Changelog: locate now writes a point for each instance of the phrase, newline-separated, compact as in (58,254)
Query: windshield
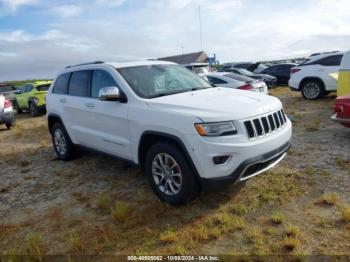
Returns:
(151,81)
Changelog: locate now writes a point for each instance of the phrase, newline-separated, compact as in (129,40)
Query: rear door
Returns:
(74,104)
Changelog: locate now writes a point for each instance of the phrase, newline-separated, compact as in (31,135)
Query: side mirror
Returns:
(111,93)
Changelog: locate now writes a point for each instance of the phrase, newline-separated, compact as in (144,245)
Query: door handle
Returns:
(63,100)
(90,105)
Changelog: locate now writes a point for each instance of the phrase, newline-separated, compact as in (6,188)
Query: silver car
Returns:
(7,116)
(231,80)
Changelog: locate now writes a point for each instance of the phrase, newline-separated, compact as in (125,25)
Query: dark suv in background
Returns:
(281,71)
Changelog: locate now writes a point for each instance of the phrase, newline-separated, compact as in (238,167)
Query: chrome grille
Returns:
(264,125)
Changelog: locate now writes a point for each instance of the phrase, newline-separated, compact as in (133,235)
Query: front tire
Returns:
(312,90)
(170,175)
(9,126)
(62,144)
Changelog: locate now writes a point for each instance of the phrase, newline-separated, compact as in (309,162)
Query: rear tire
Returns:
(170,175)
(312,90)
(62,143)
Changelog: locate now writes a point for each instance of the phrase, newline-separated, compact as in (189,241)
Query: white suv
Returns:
(183,132)
(313,77)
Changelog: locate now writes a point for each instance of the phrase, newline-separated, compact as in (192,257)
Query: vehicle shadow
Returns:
(207,199)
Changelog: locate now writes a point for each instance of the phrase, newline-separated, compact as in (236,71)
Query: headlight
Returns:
(216,129)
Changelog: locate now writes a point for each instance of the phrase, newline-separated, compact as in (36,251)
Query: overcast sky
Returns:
(38,37)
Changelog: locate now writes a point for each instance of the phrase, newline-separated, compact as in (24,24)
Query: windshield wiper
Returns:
(178,92)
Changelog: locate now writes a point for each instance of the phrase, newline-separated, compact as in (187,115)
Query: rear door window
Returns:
(79,84)
(61,84)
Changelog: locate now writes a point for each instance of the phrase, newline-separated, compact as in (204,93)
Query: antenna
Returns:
(200,27)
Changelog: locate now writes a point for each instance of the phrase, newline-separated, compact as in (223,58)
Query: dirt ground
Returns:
(99,205)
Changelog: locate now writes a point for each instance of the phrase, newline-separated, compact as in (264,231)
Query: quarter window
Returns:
(101,79)
(79,83)
(61,84)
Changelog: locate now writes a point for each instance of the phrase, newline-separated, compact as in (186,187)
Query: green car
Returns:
(32,97)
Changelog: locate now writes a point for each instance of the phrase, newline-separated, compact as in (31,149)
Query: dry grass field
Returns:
(100,205)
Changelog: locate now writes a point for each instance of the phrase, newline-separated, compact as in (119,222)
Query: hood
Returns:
(217,104)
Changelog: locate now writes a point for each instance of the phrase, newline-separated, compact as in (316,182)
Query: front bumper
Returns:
(41,107)
(271,83)
(7,117)
(240,150)
(249,168)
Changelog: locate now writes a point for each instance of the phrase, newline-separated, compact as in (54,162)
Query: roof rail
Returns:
(90,63)
(325,53)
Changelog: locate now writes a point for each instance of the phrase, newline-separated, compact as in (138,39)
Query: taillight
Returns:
(246,87)
(294,70)
(7,103)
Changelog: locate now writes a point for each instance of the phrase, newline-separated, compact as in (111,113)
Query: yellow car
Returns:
(32,97)
(344,76)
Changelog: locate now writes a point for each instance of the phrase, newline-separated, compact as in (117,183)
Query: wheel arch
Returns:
(30,99)
(315,78)
(149,138)
(52,119)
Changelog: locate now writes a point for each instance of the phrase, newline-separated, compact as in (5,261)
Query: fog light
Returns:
(220,160)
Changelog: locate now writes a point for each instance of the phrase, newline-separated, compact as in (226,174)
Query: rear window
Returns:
(79,83)
(215,80)
(334,60)
(61,84)
(43,87)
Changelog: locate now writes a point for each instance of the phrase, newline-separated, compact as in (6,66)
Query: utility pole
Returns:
(200,27)
(182,50)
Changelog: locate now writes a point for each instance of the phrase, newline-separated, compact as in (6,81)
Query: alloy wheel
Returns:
(312,90)
(167,174)
(60,142)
